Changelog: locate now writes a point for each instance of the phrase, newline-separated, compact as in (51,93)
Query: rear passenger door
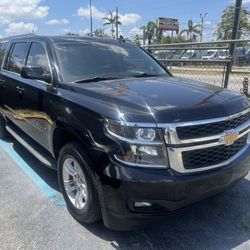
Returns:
(10,78)
(3,50)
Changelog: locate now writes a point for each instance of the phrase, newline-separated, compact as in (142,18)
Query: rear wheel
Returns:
(77,183)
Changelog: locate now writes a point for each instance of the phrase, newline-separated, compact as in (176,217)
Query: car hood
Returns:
(159,99)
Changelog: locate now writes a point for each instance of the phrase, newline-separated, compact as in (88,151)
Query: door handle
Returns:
(2,84)
(19,90)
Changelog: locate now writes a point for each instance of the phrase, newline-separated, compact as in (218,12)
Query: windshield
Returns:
(223,53)
(210,53)
(178,54)
(79,60)
(164,54)
(188,54)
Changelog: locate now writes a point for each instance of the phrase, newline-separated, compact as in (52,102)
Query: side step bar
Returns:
(47,161)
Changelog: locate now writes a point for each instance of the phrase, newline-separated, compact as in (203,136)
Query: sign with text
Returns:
(167,24)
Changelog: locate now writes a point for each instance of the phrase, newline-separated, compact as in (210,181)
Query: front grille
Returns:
(204,130)
(206,157)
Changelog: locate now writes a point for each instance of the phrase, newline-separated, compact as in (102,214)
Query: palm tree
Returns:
(100,33)
(191,29)
(112,20)
(149,31)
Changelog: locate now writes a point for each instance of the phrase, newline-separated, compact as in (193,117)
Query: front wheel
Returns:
(78,184)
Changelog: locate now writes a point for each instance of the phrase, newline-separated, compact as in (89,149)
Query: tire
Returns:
(77,180)
(3,131)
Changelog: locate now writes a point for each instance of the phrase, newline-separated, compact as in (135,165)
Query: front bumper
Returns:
(166,190)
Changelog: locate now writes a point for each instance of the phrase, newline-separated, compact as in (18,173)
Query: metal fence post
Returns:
(235,30)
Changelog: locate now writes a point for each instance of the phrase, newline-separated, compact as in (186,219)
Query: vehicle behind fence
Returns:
(210,62)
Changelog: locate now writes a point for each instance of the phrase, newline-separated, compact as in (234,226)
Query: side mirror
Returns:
(34,72)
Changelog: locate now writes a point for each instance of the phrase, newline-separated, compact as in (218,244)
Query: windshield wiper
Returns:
(97,78)
(144,74)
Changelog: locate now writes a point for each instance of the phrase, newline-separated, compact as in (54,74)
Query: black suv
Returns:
(131,143)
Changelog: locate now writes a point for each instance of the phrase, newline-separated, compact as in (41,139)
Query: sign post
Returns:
(168,24)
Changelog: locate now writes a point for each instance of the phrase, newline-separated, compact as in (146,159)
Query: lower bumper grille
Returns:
(202,158)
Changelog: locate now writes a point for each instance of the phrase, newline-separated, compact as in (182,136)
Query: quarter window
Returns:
(3,47)
(38,58)
(17,57)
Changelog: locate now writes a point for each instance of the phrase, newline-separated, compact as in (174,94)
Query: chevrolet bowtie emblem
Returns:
(230,138)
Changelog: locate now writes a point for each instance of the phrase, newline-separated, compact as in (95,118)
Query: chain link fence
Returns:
(207,62)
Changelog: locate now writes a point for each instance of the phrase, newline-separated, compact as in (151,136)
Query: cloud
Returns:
(208,23)
(65,31)
(12,10)
(3,20)
(126,19)
(129,19)
(84,32)
(245,1)
(21,28)
(85,12)
(57,21)
(135,31)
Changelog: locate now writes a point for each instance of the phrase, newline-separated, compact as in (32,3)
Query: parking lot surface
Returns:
(33,215)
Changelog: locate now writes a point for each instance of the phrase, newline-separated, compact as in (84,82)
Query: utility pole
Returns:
(90,15)
(202,16)
(235,31)
(144,36)
(116,22)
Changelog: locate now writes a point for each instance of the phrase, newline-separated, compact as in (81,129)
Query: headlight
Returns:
(147,134)
(139,146)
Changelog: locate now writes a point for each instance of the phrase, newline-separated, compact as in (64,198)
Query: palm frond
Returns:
(197,26)
(197,31)
(184,31)
(106,18)
(110,13)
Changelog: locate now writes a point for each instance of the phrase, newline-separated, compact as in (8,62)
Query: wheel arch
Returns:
(63,135)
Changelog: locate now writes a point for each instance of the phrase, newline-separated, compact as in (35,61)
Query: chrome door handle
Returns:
(2,84)
(19,90)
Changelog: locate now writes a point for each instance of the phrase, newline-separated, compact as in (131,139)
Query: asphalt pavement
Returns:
(33,215)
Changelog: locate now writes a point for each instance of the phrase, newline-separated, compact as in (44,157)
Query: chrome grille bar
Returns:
(176,146)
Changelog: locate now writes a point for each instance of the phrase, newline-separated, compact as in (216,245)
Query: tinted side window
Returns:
(17,57)
(3,48)
(37,57)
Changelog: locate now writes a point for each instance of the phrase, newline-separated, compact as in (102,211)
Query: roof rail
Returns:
(19,36)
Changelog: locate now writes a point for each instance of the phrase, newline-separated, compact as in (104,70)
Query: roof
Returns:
(64,38)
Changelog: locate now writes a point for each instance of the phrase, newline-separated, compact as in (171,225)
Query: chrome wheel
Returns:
(75,183)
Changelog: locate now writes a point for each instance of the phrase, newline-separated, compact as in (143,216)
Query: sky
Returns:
(57,17)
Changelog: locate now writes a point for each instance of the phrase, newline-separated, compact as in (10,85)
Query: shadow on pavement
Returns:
(47,174)
(220,223)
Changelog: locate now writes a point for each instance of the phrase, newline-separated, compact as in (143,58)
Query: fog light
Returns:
(142,204)
(144,150)
(148,150)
